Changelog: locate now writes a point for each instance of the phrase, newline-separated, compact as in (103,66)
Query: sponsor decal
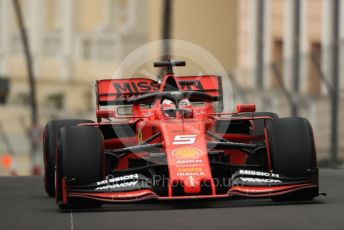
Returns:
(152,86)
(187,152)
(119,179)
(189,161)
(188,174)
(184,139)
(194,85)
(120,185)
(259,180)
(190,169)
(135,87)
(257,173)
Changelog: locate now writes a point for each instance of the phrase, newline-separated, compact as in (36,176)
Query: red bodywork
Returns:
(183,140)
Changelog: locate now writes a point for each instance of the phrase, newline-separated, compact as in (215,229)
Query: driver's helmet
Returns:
(168,108)
(185,108)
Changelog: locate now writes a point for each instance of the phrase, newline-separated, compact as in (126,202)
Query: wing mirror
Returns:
(240,108)
(106,113)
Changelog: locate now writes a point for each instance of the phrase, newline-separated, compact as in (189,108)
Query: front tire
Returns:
(49,149)
(80,161)
(292,153)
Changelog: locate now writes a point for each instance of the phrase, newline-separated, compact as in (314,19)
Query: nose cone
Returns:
(187,156)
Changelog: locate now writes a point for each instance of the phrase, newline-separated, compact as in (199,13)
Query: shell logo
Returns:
(187,152)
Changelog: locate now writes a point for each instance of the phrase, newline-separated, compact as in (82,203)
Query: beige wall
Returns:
(209,24)
(314,19)
(277,18)
(244,34)
(89,15)
(154,19)
(50,15)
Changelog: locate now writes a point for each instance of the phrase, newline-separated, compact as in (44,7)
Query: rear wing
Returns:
(122,91)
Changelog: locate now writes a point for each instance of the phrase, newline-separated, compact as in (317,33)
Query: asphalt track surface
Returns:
(24,205)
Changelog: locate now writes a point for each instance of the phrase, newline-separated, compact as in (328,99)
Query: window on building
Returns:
(100,48)
(277,60)
(52,43)
(52,25)
(313,79)
(86,49)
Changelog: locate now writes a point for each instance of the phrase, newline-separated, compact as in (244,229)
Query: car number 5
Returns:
(184,139)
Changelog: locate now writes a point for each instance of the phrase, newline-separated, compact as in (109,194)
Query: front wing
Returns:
(243,183)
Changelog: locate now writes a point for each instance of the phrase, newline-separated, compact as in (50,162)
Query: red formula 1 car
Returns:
(176,143)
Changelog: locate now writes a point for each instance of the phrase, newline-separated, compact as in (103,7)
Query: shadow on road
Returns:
(191,204)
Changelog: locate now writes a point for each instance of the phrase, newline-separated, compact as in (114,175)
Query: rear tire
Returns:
(49,149)
(292,153)
(80,161)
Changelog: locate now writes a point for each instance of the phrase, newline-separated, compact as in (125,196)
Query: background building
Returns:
(75,42)
(292,41)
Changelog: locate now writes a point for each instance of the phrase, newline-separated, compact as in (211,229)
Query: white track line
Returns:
(71,220)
